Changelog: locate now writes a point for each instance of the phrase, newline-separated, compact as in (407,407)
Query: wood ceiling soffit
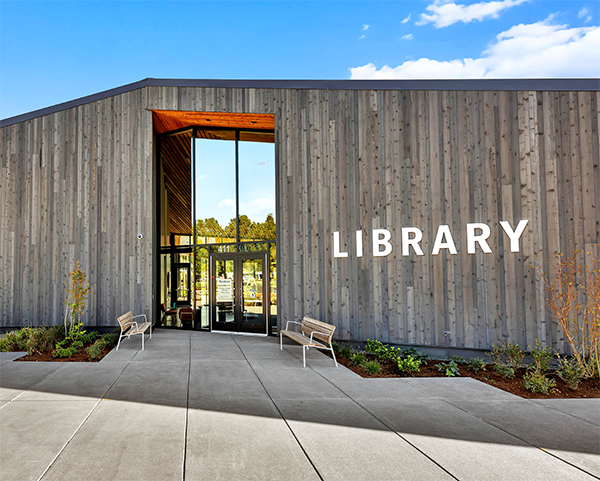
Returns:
(168,120)
(175,154)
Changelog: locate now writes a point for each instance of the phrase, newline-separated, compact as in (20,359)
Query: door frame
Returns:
(237,258)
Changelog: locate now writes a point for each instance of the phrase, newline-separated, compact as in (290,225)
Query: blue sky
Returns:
(52,52)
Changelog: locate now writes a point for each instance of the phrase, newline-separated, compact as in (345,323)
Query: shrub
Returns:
(504,370)
(409,364)
(415,354)
(39,340)
(110,339)
(541,358)
(89,337)
(357,359)
(344,353)
(450,368)
(514,355)
(95,350)
(535,382)
(573,289)
(372,367)
(381,351)
(15,341)
(571,372)
(476,364)
(507,359)
(64,352)
(458,359)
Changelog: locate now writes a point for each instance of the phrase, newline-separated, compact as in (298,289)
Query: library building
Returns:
(413,212)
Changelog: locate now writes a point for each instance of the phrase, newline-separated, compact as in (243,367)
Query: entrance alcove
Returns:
(217,224)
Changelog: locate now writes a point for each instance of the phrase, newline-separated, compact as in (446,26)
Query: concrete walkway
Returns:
(200,406)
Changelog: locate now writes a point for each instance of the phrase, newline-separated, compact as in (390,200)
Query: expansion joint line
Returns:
(387,426)
(280,413)
(545,451)
(85,420)
(187,409)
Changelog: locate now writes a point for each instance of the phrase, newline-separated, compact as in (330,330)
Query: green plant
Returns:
(573,293)
(77,291)
(372,367)
(458,359)
(409,364)
(450,368)
(39,339)
(476,364)
(89,337)
(64,352)
(541,358)
(535,382)
(344,353)
(110,339)
(504,370)
(571,372)
(515,355)
(95,350)
(415,354)
(15,340)
(357,359)
(381,351)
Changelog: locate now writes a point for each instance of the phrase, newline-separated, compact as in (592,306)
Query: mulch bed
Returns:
(590,388)
(79,356)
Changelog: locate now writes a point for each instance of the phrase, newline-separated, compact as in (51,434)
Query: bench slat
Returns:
(300,339)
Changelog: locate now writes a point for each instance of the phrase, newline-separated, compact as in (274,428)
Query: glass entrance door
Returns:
(181,284)
(239,292)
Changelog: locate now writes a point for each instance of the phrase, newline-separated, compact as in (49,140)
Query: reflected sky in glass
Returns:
(215,180)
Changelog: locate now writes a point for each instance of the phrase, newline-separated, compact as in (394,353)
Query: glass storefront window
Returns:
(257,191)
(215,191)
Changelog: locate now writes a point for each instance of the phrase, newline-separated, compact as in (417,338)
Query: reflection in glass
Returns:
(252,291)
(215,191)
(224,284)
(201,277)
(257,191)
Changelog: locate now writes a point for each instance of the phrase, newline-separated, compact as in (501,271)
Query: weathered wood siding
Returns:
(346,160)
(77,185)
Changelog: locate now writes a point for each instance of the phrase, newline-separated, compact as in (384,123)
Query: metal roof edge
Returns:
(542,84)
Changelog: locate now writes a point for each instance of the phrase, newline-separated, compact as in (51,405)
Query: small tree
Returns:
(574,300)
(77,291)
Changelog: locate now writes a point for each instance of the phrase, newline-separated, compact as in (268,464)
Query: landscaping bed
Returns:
(507,372)
(589,388)
(58,344)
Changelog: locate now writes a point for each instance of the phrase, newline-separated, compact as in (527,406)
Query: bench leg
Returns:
(281,341)
(334,360)
(143,336)
(119,343)
(304,355)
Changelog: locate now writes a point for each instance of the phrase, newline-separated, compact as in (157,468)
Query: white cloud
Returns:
(444,13)
(535,50)
(407,37)
(584,13)
(365,27)
(406,19)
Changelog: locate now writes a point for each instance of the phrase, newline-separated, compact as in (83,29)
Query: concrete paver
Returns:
(197,406)
(450,436)
(344,442)
(34,432)
(586,409)
(125,441)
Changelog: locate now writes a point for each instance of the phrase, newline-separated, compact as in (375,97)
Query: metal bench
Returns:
(130,327)
(312,333)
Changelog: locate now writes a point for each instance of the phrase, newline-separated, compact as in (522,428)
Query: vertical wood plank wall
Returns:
(78,185)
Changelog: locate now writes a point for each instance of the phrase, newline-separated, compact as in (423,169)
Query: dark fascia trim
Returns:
(551,85)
